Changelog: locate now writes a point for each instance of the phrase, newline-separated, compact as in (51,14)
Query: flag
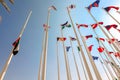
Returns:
(66,24)
(100,49)
(117,54)
(111,40)
(95,57)
(108,27)
(111,7)
(102,39)
(61,38)
(67,48)
(96,24)
(110,52)
(90,48)
(94,4)
(78,48)
(81,25)
(72,6)
(16,46)
(52,7)
(72,39)
(88,36)
(45,26)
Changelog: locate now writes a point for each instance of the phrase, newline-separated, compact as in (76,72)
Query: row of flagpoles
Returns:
(110,66)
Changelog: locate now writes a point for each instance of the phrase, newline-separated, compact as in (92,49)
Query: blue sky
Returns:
(24,66)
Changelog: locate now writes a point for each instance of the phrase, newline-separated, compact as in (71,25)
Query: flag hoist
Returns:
(82,52)
(44,66)
(15,48)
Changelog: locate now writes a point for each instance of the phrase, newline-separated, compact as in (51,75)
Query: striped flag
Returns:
(108,27)
(88,36)
(81,25)
(16,46)
(96,24)
(94,4)
(111,7)
(66,24)
(61,38)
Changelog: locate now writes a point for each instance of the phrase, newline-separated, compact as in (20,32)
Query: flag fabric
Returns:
(73,39)
(16,46)
(88,36)
(78,48)
(81,25)
(67,48)
(117,54)
(108,27)
(102,39)
(100,49)
(111,40)
(110,52)
(52,7)
(90,48)
(45,26)
(96,24)
(95,57)
(66,24)
(61,38)
(94,4)
(111,7)
(72,6)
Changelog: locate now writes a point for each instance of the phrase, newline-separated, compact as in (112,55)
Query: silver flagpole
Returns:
(82,53)
(11,54)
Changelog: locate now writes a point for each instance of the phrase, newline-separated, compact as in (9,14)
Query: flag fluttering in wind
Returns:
(96,24)
(78,48)
(45,26)
(72,6)
(117,54)
(52,7)
(100,49)
(102,39)
(88,36)
(90,48)
(16,46)
(94,4)
(95,57)
(66,24)
(61,38)
(68,48)
(111,40)
(81,25)
(72,39)
(110,52)
(108,27)
(111,7)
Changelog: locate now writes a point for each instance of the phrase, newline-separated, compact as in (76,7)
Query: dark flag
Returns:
(72,39)
(16,46)
(95,57)
(88,36)
(111,7)
(94,4)
(108,27)
(78,48)
(66,24)
(67,48)
(61,38)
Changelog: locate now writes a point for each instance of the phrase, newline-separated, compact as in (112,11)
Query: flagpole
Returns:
(78,74)
(11,54)
(111,16)
(58,65)
(91,59)
(66,60)
(41,59)
(101,28)
(82,53)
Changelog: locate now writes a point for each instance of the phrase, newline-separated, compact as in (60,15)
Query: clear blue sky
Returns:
(24,66)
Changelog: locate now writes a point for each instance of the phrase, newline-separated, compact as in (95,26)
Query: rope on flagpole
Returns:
(82,53)
(11,54)
(78,74)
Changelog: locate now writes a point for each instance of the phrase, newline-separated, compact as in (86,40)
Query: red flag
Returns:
(96,24)
(111,7)
(108,27)
(88,36)
(61,38)
(90,48)
(111,52)
(102,39)
(81,25)
(117,54)
(100,49)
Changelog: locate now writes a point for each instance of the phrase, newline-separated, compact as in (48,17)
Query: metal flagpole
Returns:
(11,54)
(41,59)
(111,16)
(101,29)
(66,60)
(58,65)
(78,74)
(46,45)
(91,59)
(82,53)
